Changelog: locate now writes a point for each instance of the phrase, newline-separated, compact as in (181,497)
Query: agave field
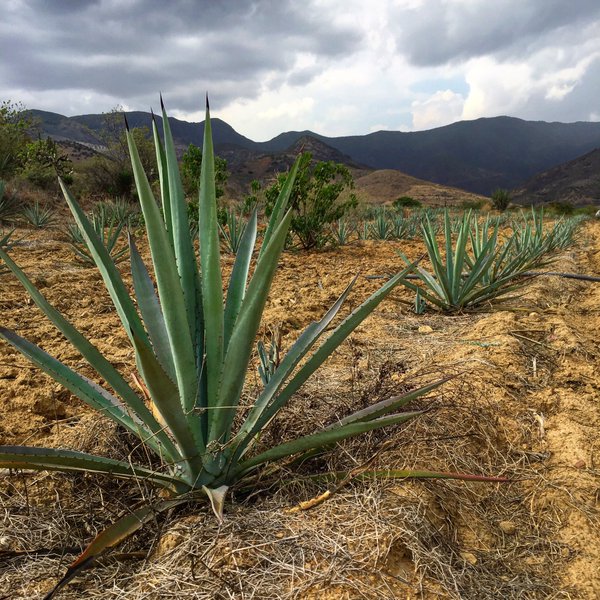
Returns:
(197,412)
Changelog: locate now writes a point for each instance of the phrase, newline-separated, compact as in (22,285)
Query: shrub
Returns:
(406,202)
(472,204)
(8,203)
(315,199)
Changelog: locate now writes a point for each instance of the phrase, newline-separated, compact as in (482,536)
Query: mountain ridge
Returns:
(479,155)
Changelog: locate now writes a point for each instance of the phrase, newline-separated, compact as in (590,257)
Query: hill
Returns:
(478,156)
(576,182)
(386,185)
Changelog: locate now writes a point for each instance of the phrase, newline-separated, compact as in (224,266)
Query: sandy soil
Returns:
(525,405)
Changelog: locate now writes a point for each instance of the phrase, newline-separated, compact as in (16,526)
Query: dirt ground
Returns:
(525,405)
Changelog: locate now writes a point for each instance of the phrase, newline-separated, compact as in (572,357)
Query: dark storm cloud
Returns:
(440,32)
(130,49)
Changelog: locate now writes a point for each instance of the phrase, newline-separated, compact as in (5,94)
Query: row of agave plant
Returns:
(193,345)
(476,263)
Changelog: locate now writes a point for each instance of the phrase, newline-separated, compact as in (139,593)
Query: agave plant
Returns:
(108,229)
(38,216)
(380,228)
(232,231)
(463,279)
(341,231)
(193,346)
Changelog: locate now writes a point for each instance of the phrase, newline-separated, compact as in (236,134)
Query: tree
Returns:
(42,161)
(315,198)
(14,127)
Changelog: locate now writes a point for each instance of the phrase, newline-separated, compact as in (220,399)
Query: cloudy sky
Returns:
(338,67)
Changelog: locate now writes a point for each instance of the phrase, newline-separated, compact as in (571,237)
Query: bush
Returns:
(406,202)
(315,199)
(561,207)
(13,137)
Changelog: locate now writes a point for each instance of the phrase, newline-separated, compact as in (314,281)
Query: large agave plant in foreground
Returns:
(192,350)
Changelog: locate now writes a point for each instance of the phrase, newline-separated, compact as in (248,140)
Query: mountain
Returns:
(478,156)
(576,182)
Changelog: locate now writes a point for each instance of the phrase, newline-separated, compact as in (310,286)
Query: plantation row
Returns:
(488,260)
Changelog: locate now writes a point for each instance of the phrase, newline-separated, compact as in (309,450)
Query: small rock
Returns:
(425,329)
(469,557)
(507,527)
(580,464)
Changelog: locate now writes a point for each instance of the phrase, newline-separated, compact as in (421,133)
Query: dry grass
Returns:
(376,539)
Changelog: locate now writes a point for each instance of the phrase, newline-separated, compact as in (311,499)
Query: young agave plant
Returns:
(193,347)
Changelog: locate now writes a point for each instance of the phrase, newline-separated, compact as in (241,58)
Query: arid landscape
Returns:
(523,404)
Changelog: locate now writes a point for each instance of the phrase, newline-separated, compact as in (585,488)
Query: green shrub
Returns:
(406,202)
(472,204)
(315,199)
(8,203)
(559,207)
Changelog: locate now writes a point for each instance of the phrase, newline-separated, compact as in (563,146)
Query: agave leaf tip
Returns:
(126,123)
(162,104)
(207,102)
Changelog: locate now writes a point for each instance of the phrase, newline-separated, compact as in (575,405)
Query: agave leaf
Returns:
(377,410)
(53,459)
(318,440)
(212,284)
(169,285)
(406,474)
(239,275)
(166,400)
(149,306)
(163,176)
(340,333)
(110,274)
(296,353)
(93,357)
(388,405)
(182,241)
(113,535)
(96,397)
(243,334)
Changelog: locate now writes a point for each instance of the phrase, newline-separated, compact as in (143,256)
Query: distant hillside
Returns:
(386,185)
(478,156)
(576,181)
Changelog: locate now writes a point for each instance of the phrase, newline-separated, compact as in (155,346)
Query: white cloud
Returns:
(439,109)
